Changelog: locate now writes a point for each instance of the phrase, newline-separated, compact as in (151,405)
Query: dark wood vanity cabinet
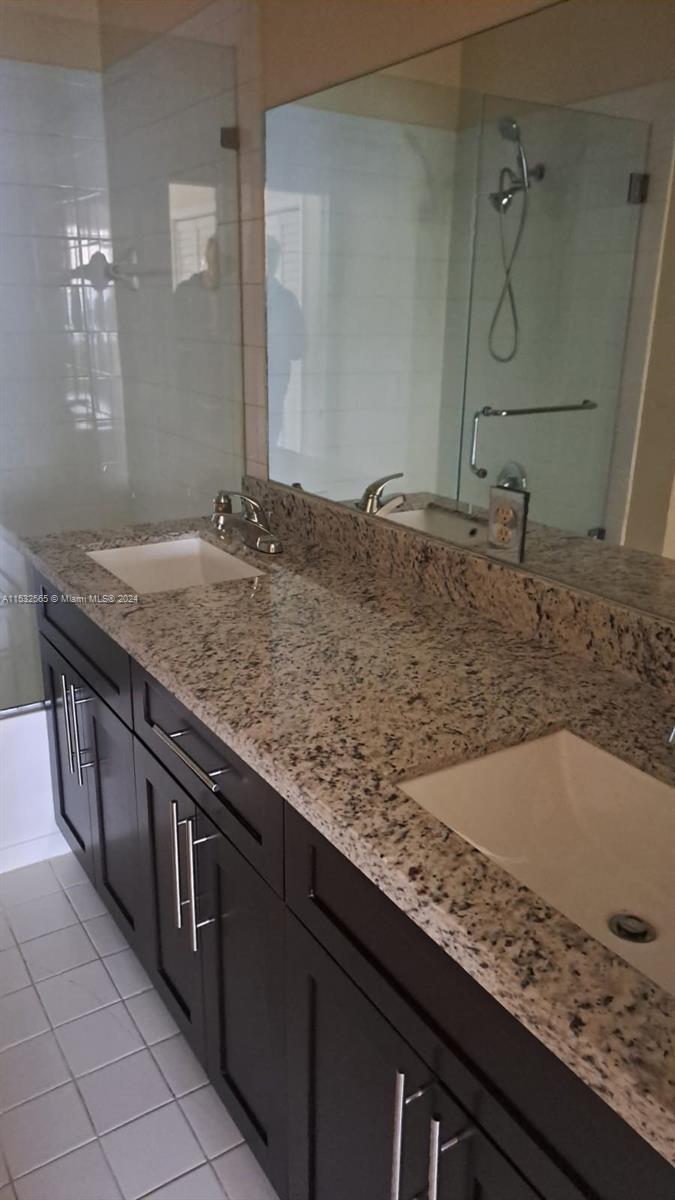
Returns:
(344,1065)
(72,808)
(108,748)
(243,955)
(165,813)
(370,1117)
(352,1052)
(93,774)
(213,941)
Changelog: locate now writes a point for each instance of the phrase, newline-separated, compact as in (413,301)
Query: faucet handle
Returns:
(251,510)
(222,503)
(369,501)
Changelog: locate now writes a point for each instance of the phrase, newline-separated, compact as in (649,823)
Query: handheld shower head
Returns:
(509,129)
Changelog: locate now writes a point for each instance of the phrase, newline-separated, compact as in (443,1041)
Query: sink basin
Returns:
(441,522)
(593,836)
(167,566)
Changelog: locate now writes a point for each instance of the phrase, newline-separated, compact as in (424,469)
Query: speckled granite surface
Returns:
(619,574)
(604,632)
(335,687)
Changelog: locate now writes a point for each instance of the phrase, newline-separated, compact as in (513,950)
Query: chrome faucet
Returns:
(251,523)
(371,500)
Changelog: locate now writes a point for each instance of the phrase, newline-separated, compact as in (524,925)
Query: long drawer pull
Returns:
(401,1101)
(206,778)
(437,1148)
(66,717)
(175,867)
(195,925)
(79,765)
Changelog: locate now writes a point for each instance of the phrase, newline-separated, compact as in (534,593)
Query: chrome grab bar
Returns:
(192,841)
(79,765)
(207,778)
(400,1103)
(488,411)
(66,717)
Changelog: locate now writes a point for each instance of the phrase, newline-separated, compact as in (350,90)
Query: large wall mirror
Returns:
(471,281)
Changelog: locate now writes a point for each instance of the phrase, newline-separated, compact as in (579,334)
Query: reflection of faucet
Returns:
(371,500)
(249,523)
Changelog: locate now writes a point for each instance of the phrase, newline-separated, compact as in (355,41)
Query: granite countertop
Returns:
(335,687)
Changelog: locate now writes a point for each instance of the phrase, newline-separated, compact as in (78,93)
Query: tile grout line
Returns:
(97,1138)
(73,1078)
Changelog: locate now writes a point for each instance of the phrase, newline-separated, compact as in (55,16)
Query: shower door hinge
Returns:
(638,187)
(229,137)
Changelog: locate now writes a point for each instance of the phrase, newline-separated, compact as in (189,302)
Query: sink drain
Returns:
(631,928)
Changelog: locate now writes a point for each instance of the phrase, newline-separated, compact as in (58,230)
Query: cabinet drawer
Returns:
(557,1130)
(100,661)
(242,805)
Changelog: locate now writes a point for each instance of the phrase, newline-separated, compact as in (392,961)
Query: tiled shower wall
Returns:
(96,430)
(62,445)
(360,210)
(174,205)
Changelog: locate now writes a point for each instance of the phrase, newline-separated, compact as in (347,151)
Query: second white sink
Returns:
(443,522)
(168,566)
(590,834)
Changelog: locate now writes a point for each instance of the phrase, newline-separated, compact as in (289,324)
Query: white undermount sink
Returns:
(167,566)
(443,522)
(590,834)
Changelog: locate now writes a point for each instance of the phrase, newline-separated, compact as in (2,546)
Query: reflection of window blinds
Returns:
(286,226)
(189,236)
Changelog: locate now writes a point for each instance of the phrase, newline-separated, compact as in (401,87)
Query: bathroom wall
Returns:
(359,211)
(173,192)
(62,444)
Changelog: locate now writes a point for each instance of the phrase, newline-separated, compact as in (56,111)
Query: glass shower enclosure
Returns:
(551,289)
(433,253)
(120,362)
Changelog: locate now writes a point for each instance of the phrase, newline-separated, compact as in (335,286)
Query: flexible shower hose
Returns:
(507,294)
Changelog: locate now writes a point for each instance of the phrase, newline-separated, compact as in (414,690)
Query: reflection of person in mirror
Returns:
(197,305)
(286,335)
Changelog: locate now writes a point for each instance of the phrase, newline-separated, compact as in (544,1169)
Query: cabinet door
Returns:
(70,783)
(463,1163)
(350,1074)
(108,747)
(243,963)
(165,928)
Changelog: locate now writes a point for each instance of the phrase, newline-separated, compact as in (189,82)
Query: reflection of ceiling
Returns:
(565,54)
(392,97)
(89,34)
(128,24)
(60,33)
(574,51)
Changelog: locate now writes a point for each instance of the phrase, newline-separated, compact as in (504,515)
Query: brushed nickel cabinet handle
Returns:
(401,1101)
(175,866)
(204,777)
(79,765)
(437,1148)
(192,841)
(66,717)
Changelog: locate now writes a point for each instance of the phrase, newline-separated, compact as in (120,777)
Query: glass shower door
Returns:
(553,270)
(120,340)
